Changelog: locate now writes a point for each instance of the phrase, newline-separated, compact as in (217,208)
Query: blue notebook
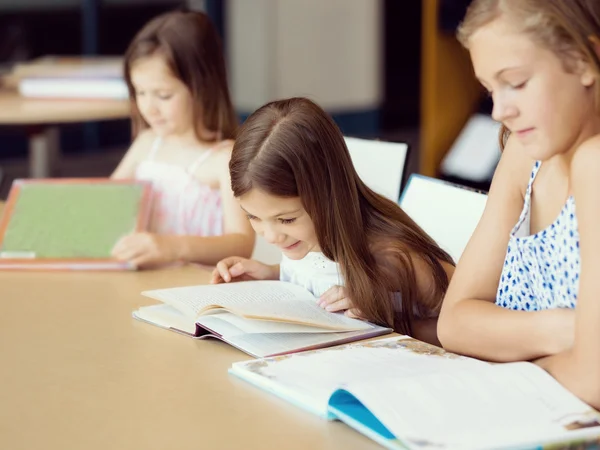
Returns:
(405,394)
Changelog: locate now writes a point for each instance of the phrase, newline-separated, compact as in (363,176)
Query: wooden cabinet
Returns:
(450,92)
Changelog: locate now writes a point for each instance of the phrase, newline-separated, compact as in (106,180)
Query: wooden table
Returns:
(40,117)
(79,372)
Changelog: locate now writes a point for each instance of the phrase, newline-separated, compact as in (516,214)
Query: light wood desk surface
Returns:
(40,117)
(17,110)
(78,372)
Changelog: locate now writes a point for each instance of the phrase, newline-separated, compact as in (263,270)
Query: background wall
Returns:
(330,51)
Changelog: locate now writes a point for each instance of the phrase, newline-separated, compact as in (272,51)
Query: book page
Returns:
(267,300)
(269,344)
(166,316)
(228,324)
(318,374)
(484,405)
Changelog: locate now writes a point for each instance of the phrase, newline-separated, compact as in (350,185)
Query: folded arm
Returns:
(470,323)
(578,367)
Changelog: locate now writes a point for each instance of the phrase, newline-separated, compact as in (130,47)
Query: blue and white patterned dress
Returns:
(541,271)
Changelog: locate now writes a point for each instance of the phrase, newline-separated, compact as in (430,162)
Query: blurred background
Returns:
(385,69)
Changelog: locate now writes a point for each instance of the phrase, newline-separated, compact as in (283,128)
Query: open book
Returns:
(404,393)
(261,318)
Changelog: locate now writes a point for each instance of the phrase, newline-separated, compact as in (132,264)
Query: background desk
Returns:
(41,116)
(79,372)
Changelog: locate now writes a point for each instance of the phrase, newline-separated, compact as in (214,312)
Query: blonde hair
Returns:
(569,28)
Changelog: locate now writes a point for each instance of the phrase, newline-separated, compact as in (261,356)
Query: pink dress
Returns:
(180,204)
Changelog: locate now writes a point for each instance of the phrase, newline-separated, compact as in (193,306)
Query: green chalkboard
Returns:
(71,220)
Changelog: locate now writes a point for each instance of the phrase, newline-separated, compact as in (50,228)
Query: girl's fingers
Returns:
(335,299)
(216,277)
(119,247)
(131,240)
(223,270)
(139,261)
(339,305)
(353,313)
(327,296)
(332,295)
(127,254)
(237,269)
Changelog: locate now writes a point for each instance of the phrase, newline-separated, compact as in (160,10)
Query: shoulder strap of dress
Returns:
(527,201)
(154,149)
(534,172)
(199,161)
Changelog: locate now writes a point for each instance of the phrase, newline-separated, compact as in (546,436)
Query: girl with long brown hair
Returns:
(354,249)
(527,286)
(184,125)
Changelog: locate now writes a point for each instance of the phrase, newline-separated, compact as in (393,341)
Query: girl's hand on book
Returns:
(146,249)
(335,299)
(236,268)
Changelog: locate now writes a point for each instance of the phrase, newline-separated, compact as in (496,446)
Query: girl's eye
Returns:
(250,217)
(287,221)
(165,96)
(519,86)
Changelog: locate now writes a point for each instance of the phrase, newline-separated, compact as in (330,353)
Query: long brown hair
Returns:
(569,28)
(192,50)
(292,148)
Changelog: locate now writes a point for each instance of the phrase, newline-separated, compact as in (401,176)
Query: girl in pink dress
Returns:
(184,125)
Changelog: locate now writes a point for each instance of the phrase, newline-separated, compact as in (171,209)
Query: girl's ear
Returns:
(588,75)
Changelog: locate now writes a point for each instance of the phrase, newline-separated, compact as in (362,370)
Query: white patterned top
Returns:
(541,271)
(314,272)
(317,274)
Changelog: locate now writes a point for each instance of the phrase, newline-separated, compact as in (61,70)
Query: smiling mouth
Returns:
(290,247)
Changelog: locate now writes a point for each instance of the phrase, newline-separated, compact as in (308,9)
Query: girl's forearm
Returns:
(483,330)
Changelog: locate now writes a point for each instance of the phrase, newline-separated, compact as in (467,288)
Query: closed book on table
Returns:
(71,77)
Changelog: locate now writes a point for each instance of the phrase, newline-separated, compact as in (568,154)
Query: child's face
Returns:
(547,109)
(281,221)
(163,100)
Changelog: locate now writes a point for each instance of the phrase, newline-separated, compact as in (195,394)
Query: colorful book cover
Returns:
(70,223)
